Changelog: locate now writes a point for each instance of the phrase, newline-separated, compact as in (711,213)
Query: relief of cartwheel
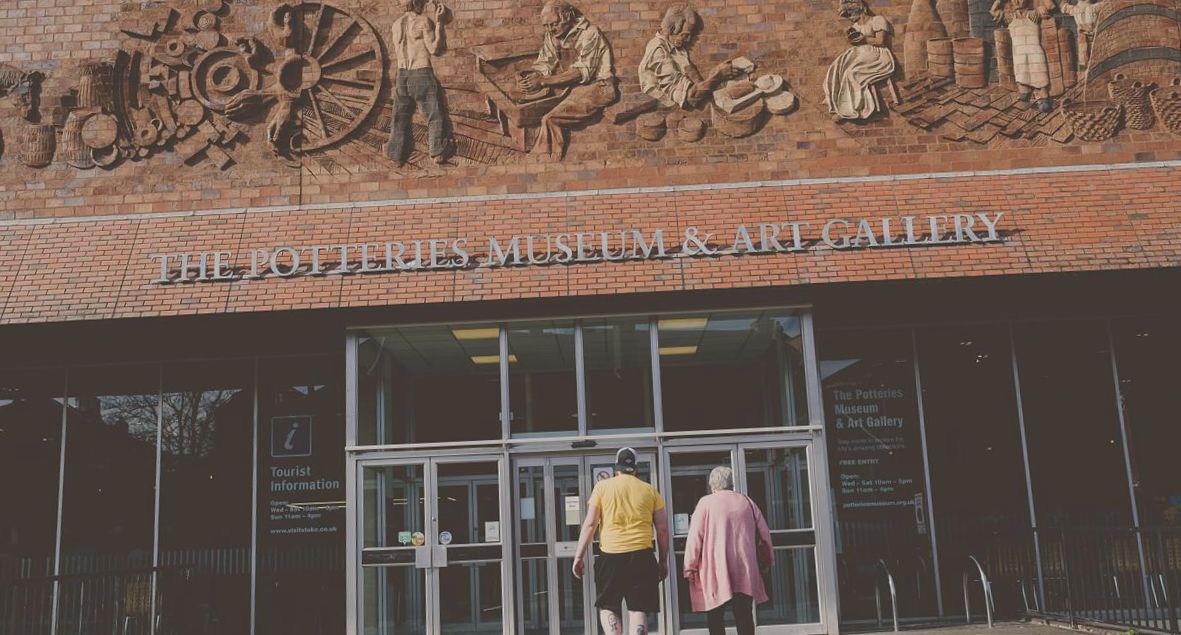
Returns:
(323,85)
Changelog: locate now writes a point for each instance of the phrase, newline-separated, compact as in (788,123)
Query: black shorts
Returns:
(632,577)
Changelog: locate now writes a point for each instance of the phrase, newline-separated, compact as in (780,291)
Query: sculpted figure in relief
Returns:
(574,54)
(415,39)
(1030,65)
(667,74)
(1084,13)
(849,85)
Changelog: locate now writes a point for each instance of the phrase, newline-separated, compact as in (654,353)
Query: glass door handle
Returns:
(422,557)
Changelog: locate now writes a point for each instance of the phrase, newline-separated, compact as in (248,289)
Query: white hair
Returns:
(721,478)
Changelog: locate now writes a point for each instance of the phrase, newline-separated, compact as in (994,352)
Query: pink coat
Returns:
(722,549)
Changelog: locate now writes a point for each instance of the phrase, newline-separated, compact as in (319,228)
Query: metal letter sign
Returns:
(291,436)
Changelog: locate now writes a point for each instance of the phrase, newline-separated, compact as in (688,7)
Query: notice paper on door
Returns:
(492,531)
(573,511)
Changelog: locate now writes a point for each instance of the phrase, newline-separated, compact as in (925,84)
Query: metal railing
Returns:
(1123,578)
(985,585)
(889,578)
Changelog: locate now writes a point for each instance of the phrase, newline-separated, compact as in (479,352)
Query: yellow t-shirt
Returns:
(626,505)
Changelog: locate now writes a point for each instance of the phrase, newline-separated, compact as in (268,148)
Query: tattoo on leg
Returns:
(641,629)
(611,623)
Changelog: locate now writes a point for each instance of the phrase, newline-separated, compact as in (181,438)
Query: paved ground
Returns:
(1000,628)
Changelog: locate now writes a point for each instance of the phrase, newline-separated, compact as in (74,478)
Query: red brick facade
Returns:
(76,243)
(1090,220)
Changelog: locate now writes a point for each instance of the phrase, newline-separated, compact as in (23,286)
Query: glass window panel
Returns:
(618,364)
(429,384)
(777,481)
(108,514)
(571,603)
(791,584)
(974,450)
(470,598)
(394,504)
(469,499)
(689,473)
(30,457)
(395,601)
(543,391)
(301,515)
(1148,351)
(534,598)
(732,370)
(206,442)
(875,456)
(1067,392)
(531,504)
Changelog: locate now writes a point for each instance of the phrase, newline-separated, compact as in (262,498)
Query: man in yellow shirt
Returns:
(625,510)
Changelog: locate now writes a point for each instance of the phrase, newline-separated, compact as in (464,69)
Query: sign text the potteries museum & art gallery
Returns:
(433,254)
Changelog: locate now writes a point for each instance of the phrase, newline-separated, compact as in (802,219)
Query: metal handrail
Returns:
(877,593)
(985,585)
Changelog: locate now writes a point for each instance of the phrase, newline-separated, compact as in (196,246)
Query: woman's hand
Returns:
(691,576)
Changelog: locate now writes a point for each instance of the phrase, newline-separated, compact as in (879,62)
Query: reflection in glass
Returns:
(777,481)
(470,598)
(1148,352)
(301,550)
(1067,393)
(974,449)
(732,370)
(543,391)
(395,601)
(791,585)
(207,425)
(108,512)
(30,452)
(534,598)
(618,363)
(468,500)
(690,481)
(429,384)
(394,505)
(876,462)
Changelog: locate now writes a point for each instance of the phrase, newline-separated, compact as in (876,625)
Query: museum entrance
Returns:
(466,542)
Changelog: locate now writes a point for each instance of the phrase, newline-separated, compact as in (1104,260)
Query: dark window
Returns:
(732,370)
(618,363)
(30,451)
(108,514)
(206,441)
(977,466)
(430,384)
(1072,425)
(876,462)
(542,386)
(1148,352)
(301,516)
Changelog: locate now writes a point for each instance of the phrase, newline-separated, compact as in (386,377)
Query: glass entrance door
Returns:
(433,550)
(776,477)
(549,505)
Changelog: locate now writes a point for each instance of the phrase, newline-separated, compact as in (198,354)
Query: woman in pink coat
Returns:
(728,544)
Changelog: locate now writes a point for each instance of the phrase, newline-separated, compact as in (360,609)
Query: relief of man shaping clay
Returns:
(574,53)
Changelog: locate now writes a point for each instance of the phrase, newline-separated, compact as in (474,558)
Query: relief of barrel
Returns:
(970,69)
(38,141)
(1140,39)
(940,60)
(1004,58)
(96,86)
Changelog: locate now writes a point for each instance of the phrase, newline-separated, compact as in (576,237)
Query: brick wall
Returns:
(796,38)
(1089,220)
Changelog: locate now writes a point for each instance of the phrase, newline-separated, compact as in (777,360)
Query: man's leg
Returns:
(612,624)
(582,104)
(429,95)
(400,143)
(637,623)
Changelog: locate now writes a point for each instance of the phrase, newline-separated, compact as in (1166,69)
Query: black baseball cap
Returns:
(625,461)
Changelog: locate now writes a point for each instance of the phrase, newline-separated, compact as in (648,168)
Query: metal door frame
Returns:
(824,553)
(429,464)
